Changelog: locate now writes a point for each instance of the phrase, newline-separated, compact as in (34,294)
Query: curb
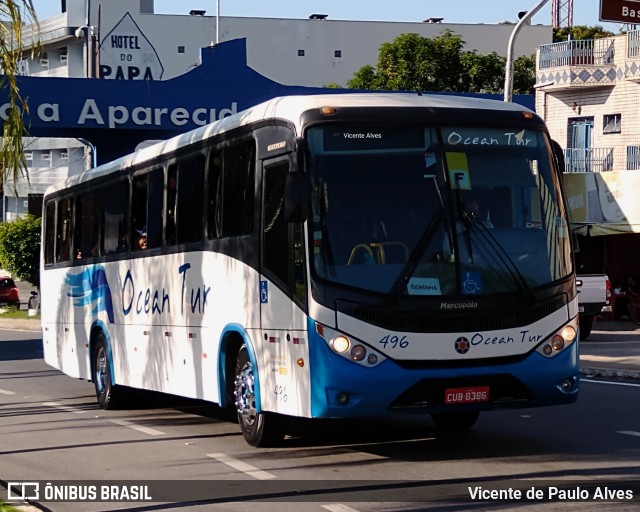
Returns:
(16,324)
(610,373)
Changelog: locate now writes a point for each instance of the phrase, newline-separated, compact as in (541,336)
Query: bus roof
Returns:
(290,108)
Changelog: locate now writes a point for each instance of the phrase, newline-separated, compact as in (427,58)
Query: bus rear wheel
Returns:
(259,429)
(455,421)
(107,393)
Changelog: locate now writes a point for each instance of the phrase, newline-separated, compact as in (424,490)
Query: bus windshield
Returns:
(433,211)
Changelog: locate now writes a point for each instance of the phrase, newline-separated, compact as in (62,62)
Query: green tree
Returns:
(414,63)
(15,15)
(580,32)
(524,75)
(20,248)
(365,78)
(485,73)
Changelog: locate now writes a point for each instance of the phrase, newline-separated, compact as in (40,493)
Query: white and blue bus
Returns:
(331,256)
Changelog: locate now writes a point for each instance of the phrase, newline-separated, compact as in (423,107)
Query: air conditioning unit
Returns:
(64,57)
(28,156)
(64,155)
(44,60)
(46,157)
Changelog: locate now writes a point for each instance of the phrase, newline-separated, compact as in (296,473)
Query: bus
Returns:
(351,255)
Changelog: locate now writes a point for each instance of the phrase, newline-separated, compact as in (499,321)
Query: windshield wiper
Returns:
(500,254)
(414,258)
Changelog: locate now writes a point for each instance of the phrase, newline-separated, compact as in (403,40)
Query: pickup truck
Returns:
(594,294)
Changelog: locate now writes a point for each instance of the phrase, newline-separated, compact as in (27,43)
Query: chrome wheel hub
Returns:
(245,396)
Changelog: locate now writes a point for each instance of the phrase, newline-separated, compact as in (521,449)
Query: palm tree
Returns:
(15,15)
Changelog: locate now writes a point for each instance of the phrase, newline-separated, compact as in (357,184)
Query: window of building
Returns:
(612,123)
(181,49)
(64,154)
(300,53)
(337,54)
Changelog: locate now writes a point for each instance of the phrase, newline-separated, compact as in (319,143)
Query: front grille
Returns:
(503,389)
(446,321)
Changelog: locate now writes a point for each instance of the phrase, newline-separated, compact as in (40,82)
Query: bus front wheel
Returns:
(455,421)
(106,391)
(258,428)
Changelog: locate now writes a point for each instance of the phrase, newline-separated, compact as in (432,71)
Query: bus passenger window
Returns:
(214,177)
(63,239)
(50,232)
(277,254)
(189,202)
(238,187)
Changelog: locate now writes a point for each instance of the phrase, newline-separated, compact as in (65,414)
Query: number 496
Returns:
(394,341)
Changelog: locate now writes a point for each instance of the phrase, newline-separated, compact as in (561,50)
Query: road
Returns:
(52,431)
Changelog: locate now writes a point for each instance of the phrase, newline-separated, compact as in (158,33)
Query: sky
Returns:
(585,12)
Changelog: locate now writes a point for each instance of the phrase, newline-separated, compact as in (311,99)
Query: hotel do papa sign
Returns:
(620,11)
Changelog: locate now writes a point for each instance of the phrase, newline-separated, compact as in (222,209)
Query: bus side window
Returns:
(63,233)
(172,197)
(114,217)
(276,256)
(138,210)
(214,177)
(146,209)
(189,200)
(86,226)
(238,188)
(50,232)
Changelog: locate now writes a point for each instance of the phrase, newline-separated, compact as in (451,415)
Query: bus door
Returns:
(282,296)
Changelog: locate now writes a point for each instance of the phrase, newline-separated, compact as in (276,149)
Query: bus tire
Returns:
(259,429)
(455,420)
(107,393)
(586,324)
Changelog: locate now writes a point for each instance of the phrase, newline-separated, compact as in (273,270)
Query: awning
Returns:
(603,203)
(611,228)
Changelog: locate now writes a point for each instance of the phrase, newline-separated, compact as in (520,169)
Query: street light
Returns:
(91,155)
(508,76)
(218,22)
(88,32)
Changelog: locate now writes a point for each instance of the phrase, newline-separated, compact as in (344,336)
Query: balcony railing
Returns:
(588,160)
(596,52)
(633,43)
(633,158)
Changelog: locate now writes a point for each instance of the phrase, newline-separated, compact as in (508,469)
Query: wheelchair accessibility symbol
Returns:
(472,283)
(264,292)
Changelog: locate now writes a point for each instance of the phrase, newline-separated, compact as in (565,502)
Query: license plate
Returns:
(580,309)
(466,395)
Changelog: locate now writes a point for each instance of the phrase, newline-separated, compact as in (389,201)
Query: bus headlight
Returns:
(358,352)
(349,347)
(340,344)
(559,340)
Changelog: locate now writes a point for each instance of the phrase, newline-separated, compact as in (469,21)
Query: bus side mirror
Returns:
(296,197)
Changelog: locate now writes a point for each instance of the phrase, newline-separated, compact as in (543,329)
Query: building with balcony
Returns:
(588,92)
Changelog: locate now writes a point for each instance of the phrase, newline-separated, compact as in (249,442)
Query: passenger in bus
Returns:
(474,210)
(142,241)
